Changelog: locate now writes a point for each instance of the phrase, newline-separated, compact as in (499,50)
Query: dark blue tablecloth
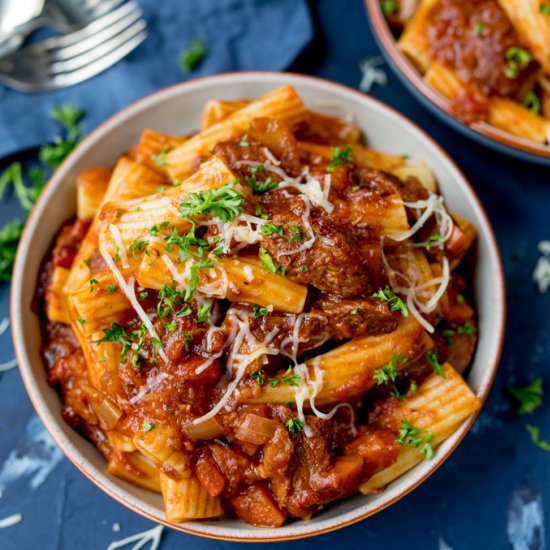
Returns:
(494,492)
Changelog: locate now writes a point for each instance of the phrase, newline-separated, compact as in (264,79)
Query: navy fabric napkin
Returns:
(239,35)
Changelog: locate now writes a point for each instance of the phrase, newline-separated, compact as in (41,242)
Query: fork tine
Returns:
(100,48)
(75,37)
(98,66)
(95,40)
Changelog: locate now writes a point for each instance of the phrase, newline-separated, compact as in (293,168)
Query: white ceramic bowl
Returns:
(176,110)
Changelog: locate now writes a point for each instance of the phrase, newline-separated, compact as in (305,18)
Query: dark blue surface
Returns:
(466,503)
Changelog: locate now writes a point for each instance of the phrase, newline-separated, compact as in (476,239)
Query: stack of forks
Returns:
(95,34)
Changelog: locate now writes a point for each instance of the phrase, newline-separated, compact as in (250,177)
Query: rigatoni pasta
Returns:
(260,319)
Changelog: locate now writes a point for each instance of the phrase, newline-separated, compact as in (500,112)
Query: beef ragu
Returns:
(255,324)
(490,58)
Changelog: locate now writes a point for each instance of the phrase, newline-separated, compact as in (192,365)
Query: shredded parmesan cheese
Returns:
(4,325)
(140,539)
(308,389)
(541,273)
(271,156)
(10,521)
(8,365)
(372,74)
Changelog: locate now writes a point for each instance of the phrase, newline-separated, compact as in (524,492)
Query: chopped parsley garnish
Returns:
(478,29)
(110,288)
(288,379)
(156,228)
(260,187)
(387,296)
(186,338)
(267,262)
(142,293)
(183,243)
(93,282)
(460,299)
(137,246)
(116,334)
(258,376)
(294,425)
(532,102)
(414,437)
(355,311)
(54,153)
(434,238)
(295,234)
(466,328)
(449,335)
(431,357)
(116,257)
(147,427)
(529,397)
(13,175)
(517,58)
(171,326)
(534,432)
(271,229)
(388,373)
(244,141)
(203,311)
(413,388)
(194,278)
(304,269)
(259,311)
(192,56)
(544,8)
(389,7)
(225,203)
(339,157)
(9,237)
(81,321)
(169,299)
(160,158)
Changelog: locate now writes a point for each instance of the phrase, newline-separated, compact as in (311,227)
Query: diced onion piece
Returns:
(209,429)
(108,413)
(256,429)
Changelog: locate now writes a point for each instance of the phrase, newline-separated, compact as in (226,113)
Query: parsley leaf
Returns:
(224,203)
(478,29)
(389,7)
(431,357)
(14,175)
(192,56)
(532,102)
(529,397)
(9,238)
(271,229)
(544,8)
(288,379)
(517,58)
(137,246)
(466,328)
(267,262)
(259,311)
(294,425)
(147,427)
(387,296)
(388,373)
(296,234)
(159,159)
(534,432)
(260,187)
(434,238)
(339,157)
(116,334)
(68,116)
(110,288)
(258,376)
(414,437)
(202,312)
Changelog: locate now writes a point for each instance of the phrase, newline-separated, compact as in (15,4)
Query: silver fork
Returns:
(66,60)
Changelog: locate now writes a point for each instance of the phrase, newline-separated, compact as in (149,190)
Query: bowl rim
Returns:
(483,132)
(47,416)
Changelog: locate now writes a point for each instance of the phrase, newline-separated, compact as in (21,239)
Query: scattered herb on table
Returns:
(529,397)
(192,56)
